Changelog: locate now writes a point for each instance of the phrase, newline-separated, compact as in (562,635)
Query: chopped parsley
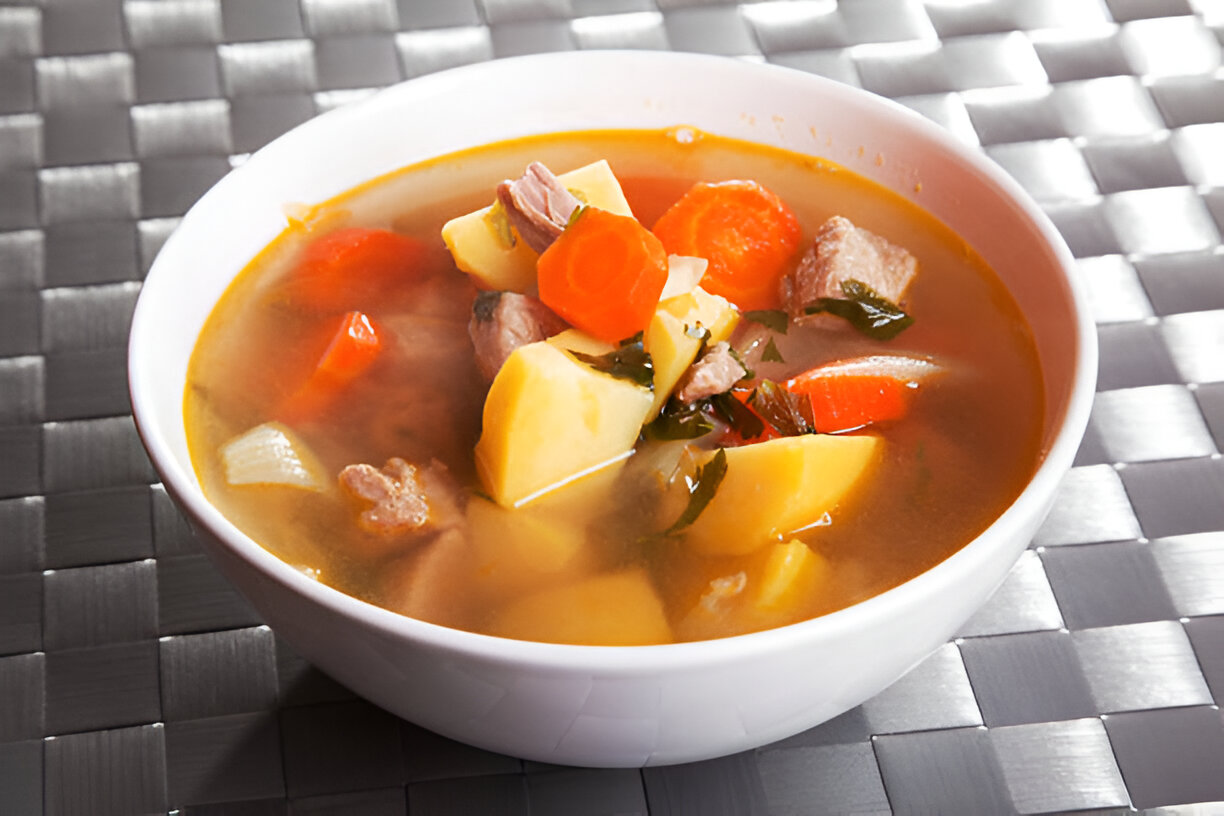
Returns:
(573,216)
(631,361)
(499,221)
(869,312)
(697,332)
(637,338)
(781,408)
(680,421)
(771,353)
(748,372)
(702,488)
(737,415)
(773,319)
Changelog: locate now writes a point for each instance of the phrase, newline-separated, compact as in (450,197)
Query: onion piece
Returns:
(684,272)
(272,454)
(898,366)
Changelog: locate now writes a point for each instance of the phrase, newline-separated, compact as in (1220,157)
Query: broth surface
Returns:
(962,454)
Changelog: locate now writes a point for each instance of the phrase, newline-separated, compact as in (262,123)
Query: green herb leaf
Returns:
(781,409)
(578,194)
(628,341)
(485,304)
(748,372)
(771,353)
(629,362)
(737,415)
(680,421)
(573,216)
(697,332)
(499,221)
(702,488)
(774,319)
(866,310)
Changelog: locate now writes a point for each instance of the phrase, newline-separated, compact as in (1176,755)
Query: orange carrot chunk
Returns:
(603,275)
(843,402)
(354,347)
(746,233)
(351,266)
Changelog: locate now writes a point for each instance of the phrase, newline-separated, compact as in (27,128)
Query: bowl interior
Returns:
(450,111)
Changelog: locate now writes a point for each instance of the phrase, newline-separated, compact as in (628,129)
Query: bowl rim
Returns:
(647,659)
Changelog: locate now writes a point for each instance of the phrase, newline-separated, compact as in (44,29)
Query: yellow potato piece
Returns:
(524,549)
(790,572)
(516,546)
(580,341)
(483,253)
(613,609)
(672,350)
(773,488)
(548,418)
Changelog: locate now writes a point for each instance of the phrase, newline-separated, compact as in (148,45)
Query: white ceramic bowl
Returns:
(613,706)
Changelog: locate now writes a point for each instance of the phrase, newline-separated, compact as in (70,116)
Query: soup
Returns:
(451,407)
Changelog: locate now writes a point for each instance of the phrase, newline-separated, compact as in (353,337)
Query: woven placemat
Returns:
(133,680)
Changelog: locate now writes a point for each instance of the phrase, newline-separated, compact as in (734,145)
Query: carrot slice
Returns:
(603,274)
(354,347)
(746,233)
(351,266)
(848,401)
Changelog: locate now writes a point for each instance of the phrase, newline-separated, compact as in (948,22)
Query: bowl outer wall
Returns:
(591,705)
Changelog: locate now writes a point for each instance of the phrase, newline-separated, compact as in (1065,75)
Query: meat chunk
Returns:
(713,373)
(403,498)
(503,321)
(538,205)
(841,251)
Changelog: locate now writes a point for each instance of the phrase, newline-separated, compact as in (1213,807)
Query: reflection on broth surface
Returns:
(861,476)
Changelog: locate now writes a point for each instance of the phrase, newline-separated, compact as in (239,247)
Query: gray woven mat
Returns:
(133,680)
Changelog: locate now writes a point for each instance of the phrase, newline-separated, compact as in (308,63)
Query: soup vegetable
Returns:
(683,387)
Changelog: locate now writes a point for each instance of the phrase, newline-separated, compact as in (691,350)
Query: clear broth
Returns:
(961,456)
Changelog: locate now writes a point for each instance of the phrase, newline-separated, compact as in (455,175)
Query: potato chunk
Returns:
(549,417)
(672,350)
(773,488)
(541,544)
(790,572)
(581,342)
(613,609)
(517,550)
(482,251)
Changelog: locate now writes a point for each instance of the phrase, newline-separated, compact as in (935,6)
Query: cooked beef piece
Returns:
(403,498)
(503,321)
(841,251)
(709,617)
(538,205)
(713,373)
(750,340)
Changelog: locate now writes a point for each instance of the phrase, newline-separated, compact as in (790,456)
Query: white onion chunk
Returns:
(272,454)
